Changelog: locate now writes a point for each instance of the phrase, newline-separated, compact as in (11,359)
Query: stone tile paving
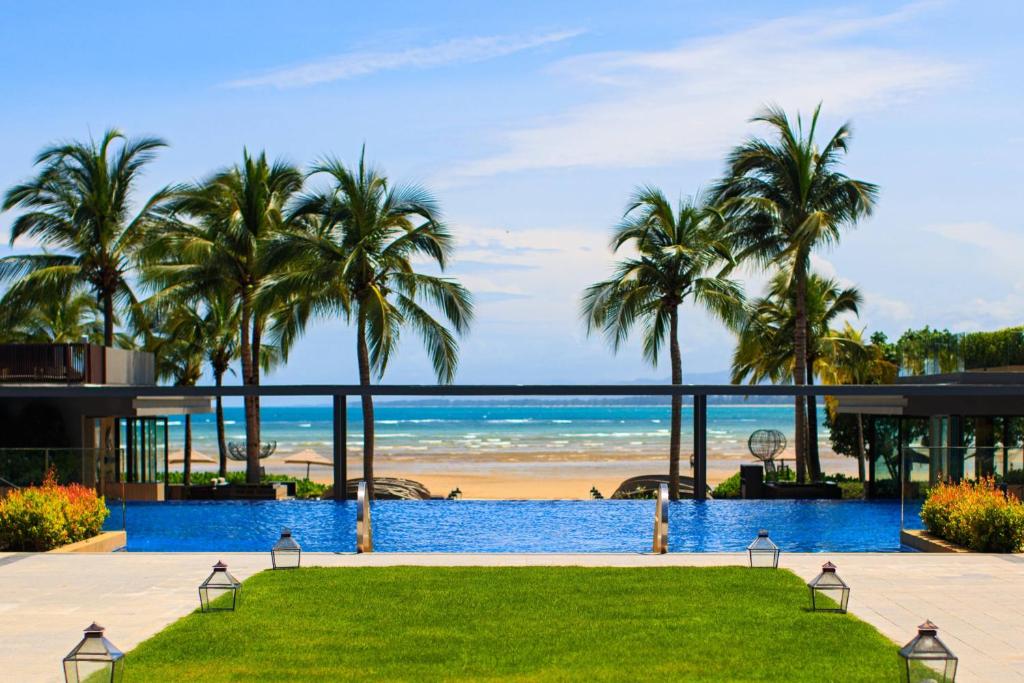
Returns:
(45,600)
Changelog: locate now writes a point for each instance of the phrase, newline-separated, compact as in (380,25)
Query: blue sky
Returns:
(532,122)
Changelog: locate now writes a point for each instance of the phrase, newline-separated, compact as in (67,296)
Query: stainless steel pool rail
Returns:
(364,527)
(661,520)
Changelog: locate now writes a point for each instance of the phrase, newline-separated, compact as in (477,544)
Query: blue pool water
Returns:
(513,526)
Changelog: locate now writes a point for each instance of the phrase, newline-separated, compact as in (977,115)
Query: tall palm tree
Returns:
(214,238)
(679,257)
(784,198)
(80,204)
(355,251)
(764,349)
(846,358)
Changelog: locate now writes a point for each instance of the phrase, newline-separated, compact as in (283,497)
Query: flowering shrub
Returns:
(975,515)
(45,517)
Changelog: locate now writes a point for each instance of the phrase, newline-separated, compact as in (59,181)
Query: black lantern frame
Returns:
(219,582)
(94,659)
(286,553)
(762,552)
(829,584)
(924,653)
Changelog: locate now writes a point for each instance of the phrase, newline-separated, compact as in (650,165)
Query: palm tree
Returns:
(179,359)
(785,198)
(80,204)
(764,349)
(677,253)
(59,320)
(214,238)
(846,358)
(354,252)
(219,329)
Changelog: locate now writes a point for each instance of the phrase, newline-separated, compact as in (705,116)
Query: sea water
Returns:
(499,427)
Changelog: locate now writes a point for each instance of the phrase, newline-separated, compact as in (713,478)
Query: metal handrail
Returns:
(11,484)
(661,520)
(364,527)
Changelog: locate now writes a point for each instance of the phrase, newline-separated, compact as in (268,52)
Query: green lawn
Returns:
(536,623)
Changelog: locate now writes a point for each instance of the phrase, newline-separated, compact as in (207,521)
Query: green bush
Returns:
(975,515)
(41,518)
(304,488)
(729,488)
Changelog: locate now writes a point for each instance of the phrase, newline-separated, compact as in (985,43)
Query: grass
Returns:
(536,623)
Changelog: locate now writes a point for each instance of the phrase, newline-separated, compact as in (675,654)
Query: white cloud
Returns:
(692,101)
(355,64)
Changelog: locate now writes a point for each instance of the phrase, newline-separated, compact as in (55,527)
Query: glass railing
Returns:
(942,353)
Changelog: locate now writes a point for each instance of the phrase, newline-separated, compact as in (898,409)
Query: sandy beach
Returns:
(515,476)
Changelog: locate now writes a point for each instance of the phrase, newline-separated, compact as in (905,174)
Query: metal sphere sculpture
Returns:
(765,444)
(236,451)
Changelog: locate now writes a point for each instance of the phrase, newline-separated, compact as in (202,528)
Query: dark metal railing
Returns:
(51,363)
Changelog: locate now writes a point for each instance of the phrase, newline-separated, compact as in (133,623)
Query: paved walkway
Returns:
(45,600)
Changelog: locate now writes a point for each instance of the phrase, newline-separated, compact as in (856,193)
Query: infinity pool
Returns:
(512,526)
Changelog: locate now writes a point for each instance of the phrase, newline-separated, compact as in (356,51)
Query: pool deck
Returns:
(47,599)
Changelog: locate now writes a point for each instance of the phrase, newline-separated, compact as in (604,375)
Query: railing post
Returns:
(340,447)
(661,520)
(700,447)
(364,527)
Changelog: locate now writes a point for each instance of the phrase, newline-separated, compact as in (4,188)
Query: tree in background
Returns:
(62,320)
(679,257)
(784,198)
(80,204)
(355,250)
(213,239)
(764,335)
(219,328)
(847,358)
(179,359)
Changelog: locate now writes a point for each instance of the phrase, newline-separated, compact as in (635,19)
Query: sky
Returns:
(532,122)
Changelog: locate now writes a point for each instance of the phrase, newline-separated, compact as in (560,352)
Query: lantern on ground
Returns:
(926,658)
(94,659)
(828,584)
(763,552)
(219,582)
(286,553)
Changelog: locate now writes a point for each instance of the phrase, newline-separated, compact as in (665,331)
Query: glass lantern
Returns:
(828,584)
(286,553)
(219,582)
(927,659)
(94,659)
(763,552)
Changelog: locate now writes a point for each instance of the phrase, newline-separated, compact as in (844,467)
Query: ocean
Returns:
(500,428)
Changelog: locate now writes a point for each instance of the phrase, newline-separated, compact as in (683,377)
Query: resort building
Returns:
(921,439)
(93,440)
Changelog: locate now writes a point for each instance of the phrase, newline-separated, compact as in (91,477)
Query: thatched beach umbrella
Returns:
(178,458)
(308,457)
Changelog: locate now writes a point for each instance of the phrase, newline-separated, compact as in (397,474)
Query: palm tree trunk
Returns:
(222,447)
(861,469)
(257,338)
(800,372)
(108,319)
(677,406)
(813,458)
(363,354)
(187,466)
(252,445)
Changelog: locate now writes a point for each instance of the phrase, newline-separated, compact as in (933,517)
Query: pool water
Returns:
(512,526)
